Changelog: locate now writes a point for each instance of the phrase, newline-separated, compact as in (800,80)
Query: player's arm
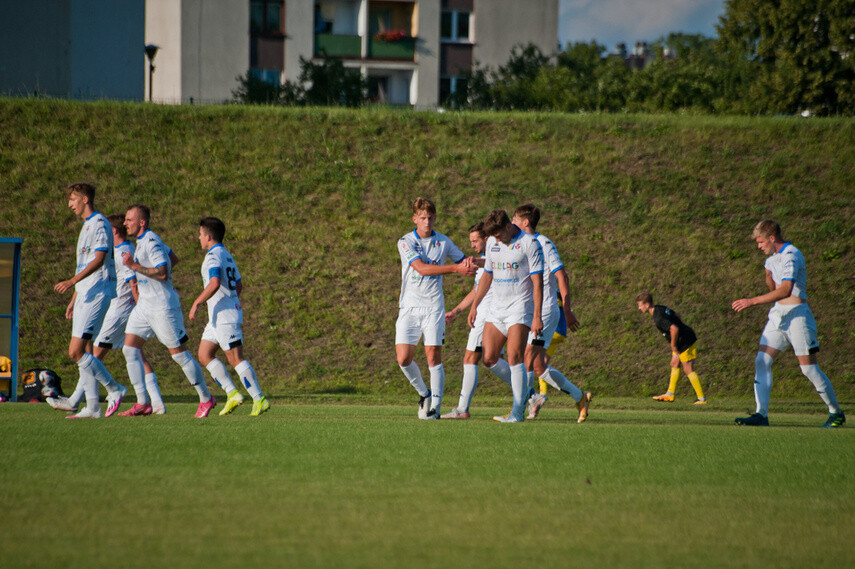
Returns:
(135,289)
(564,289)
(69,310)
(173,258)
(160,273)
(675,353)
(209,291)
(94,265)
(464,267)
(464,304)
(537,293)
(483,287)
(239,287)
(774,295)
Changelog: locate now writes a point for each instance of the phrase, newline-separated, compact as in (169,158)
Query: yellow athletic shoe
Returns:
(234,399)
(259,407)
(664,397)
(701,402)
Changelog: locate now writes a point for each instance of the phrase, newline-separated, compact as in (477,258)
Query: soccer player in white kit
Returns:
(94,285)
(113,329)
(472,355)
(422,304)
(513,268)
(223,286)
(791,323)
(157,313)
(555,280)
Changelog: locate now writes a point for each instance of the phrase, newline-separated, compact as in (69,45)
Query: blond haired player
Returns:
(790,323)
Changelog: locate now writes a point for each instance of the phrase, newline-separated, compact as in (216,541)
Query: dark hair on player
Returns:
(117,220)
(495,221)
(145,212)
(530,212)
(644,297)
(214,227)
(86,189)
(479,227)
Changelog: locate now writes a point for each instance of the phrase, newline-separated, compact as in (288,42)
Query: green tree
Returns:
(801,54)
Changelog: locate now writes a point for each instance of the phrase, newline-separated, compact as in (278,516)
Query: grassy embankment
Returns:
(315,199)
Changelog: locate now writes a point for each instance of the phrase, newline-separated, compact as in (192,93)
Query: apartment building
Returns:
(412,52)
(76,49)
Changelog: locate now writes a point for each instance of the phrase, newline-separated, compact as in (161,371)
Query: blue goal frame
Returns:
(14,242)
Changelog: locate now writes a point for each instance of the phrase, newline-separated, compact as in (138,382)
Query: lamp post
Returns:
(150,52)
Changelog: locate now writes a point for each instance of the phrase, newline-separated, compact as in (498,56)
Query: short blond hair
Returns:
(767,228)
(423,204)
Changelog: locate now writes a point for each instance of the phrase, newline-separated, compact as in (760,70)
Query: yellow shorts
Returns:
(556,339)
(690,354)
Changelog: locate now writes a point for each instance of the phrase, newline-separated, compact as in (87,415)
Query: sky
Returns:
(612,21)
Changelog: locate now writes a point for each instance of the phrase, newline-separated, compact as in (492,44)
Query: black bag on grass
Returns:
(40,383)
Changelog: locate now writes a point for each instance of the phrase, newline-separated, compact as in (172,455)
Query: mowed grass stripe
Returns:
(358,486)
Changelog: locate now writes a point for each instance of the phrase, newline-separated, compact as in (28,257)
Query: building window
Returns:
(450,86)
(270,76)
(456,25)
(265,17)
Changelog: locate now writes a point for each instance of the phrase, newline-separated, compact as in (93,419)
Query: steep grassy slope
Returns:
(315,199)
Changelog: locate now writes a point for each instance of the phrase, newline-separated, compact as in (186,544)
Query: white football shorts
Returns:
(550,325)
(88,316)
(113,329)
(167,325)
(414,322)
(227,336)
(791,325)
(505,317)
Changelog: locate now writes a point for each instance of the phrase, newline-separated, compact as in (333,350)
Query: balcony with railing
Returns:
(365,30)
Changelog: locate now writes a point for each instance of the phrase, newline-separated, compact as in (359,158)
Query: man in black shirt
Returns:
(682,340)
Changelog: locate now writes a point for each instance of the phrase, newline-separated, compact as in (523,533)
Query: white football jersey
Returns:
(154,294)
(419,291)
(124,275)
(788,264)
(96,235)
(486,302)
(512,266)
(551,264)
(224,306)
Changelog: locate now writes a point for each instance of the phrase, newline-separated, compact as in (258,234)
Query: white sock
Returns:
(823,386)
(529,381)
(90,385)
(470,382)
(153,390)
(557,380)
(518,383)
(437,386)
(193,371)
(221,375)
(100,373)
(502,370)
(246,373)
(763,382)
(136,373)
(414,376)
(77,396)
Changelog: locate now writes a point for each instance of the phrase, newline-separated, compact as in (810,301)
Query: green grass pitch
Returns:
(372,486)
